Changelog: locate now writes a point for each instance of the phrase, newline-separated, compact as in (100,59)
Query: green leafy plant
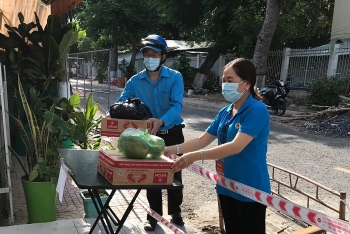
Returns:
(324,91)
(40,142)
(343,85)
(100,63)
(126,70)
(34,52)
(182,65)
(83,122)
(101,193)
(100,73)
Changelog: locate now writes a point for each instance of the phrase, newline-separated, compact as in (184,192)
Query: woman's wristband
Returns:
(177,147)
(201,156)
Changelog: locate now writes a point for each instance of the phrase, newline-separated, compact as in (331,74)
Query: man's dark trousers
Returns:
(175,196)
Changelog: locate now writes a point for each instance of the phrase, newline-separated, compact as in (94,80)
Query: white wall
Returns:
(341,20)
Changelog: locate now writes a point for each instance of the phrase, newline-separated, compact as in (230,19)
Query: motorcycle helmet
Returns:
(154,42)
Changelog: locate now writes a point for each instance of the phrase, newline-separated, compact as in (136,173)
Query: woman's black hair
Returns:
(246,70)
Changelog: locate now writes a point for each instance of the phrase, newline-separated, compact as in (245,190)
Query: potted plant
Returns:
(182,64)
(127,72)
(89,208)
(42,162)
(100,74)
(83,121)
(33,56)
(100,63)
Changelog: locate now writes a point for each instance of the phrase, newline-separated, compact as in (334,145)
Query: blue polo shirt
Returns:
(164,98)
(249,167)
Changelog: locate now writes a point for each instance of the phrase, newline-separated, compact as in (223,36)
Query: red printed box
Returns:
(114,127)
(121,170)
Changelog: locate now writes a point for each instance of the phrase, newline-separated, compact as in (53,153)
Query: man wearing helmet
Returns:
(161,89)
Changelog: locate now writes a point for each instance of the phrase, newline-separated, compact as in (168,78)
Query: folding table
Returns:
(82,166)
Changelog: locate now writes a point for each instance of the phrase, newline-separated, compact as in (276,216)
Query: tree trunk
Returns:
(204,70)
(133,55)
(113,61)
(264,40)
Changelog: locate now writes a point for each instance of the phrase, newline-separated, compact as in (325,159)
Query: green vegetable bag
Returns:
(135,143)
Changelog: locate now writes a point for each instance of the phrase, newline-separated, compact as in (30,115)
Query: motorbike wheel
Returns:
(281,108)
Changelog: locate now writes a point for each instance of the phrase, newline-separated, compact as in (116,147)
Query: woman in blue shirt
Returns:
(242,129)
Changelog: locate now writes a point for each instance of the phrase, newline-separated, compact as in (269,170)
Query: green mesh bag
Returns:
(135,143)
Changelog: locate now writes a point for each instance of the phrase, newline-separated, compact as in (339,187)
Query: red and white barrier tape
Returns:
(299,212)
(156,215)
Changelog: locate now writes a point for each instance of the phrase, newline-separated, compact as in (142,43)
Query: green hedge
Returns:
(326,91)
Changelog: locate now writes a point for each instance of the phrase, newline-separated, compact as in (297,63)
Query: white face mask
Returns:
(230,91)
(151,63)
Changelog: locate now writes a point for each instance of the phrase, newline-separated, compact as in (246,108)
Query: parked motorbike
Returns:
(275,97)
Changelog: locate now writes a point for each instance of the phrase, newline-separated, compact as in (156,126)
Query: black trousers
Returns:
(242,217)
(175,196)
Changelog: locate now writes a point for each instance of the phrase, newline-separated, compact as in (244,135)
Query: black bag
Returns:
(130,109)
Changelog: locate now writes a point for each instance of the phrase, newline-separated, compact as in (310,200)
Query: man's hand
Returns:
(155,123)
(168,151)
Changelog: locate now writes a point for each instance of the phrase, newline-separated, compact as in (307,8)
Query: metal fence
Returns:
(298,67)
(274,63)
(86,68)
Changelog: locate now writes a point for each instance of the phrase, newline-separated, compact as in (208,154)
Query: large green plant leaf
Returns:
(74,100)
(89,106)
(68,39)
(53,28)
(50,49)
(81,35)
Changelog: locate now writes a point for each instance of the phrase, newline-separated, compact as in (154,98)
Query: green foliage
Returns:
(83,122)
(34,53)
(304,23)
(40,143)
(182,64)
(118,21)
(324,91)
(126,70)
(342,84)
(100,63)
(232,25)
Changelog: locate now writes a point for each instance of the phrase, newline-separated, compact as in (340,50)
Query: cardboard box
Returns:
(114,127)
(121,170)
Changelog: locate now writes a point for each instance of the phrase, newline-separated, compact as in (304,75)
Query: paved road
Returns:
(314,157)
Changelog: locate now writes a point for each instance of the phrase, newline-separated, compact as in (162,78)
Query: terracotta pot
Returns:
(121,82)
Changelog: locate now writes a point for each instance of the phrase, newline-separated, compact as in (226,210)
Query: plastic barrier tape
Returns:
(156,215)
(299,212)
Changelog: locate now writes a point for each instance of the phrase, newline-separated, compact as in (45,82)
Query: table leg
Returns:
(107,212)
(99,205)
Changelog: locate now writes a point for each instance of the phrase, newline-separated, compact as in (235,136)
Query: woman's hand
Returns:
(184,161)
